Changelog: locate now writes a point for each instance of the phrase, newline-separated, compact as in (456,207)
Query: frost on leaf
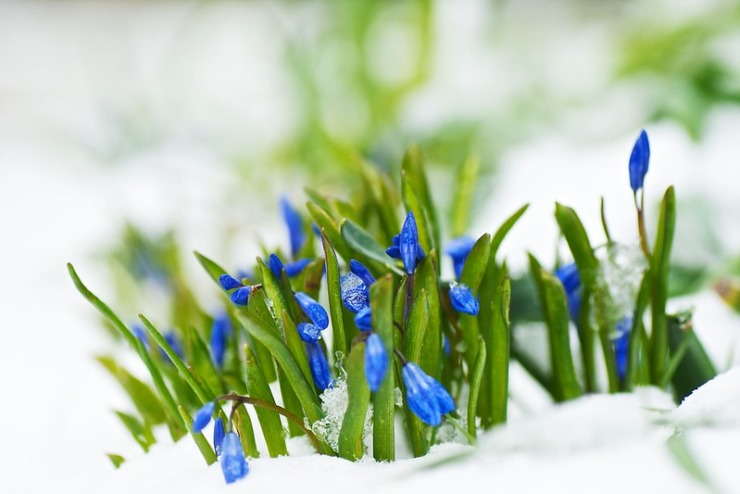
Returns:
(334,404)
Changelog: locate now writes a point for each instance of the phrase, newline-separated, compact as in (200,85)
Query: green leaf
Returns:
(290,401)
(499,353)
(174,421)
(687,460)
(200,440)
(350,436)
(257,387)
(473,271)
(467,176)
(384,200)
(213,269)
(327,223)
(427,280)
(413,172)
(504,230)
(335,296)
(659,269)
(202,363)
(553,300)
(476,378)
(303,390)
(243,424)
(143,398)
(117,460)
(415,330)
(361,241)
(689,367)
(185,372)
(381,303)
(638,368)
(141,433)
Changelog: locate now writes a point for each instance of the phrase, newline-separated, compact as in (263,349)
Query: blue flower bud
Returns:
(426,397)
(360,270)
(308,332)
(276,266)
(571,280)
(220,332)
(446,345)
(363,319)
(458,249)
(171,338)
(228,282)
(621,345)
(203,416)
(408,243)
(233,463)
(463,300)
(140,333)
(295,226)
(294,268)
(241,295)
(313,310)
(639,161)
(354,292)
(218,436)
(318,365)
(376,362)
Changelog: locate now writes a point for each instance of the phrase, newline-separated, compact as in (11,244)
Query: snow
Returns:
(59,204)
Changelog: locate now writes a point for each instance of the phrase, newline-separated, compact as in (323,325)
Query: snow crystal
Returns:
(334,404)
(622,268)
(716,403)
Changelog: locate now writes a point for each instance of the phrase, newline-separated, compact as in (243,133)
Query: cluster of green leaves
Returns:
(266,355)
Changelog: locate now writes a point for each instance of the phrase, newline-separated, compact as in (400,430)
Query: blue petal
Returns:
(460,247)
(220,332)
(639,161)
(203,416)
(393,251)
(308,332)
(319,366)
(295,226)
(360,270)
(376,362)
(228,282)
(276,266)
(569,277)
(175,344)
(621,345)
(313,310)
(363,319)
(140,333)
(218,435)
(233,463)
(354,292)
(419,395)
(446,345)
(294,268)
(408,243)
(445,403)
(463,300)
(241,296)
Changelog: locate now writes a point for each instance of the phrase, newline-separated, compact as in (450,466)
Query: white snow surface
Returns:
(58,205)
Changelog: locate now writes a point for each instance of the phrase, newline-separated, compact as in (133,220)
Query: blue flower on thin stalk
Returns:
(639,162)
(425,396)
(463,300)
(571,281)
(294,223)
(376,362)
(240,295)
(315,312)
(233,462)
(203,416)
(218,436)
(621,345)
(220,332)
(458,249)
(319,365)
(405,246)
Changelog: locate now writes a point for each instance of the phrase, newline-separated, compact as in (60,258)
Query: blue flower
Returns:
(203,416)
(308,332)
(319,365)
(376,362)
(233,463)
(425,396)
(446,345)
(621,345)
(354,292)
(357,268)
(313,310)
(220,332)
(140,333)
(276,266)
(639,161)
(218,436)
(295,226)
(362,319)
(171,338)
(458,249)
(294,268)
(240,296)
(571,280)
(405,245)
(463,300)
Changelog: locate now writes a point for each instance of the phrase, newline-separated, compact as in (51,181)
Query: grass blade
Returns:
(257,387)
(365,244)
(200,440)
(350,436)
(381,302)
(476,378)
(339,339)
(461,203)
(499,353)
